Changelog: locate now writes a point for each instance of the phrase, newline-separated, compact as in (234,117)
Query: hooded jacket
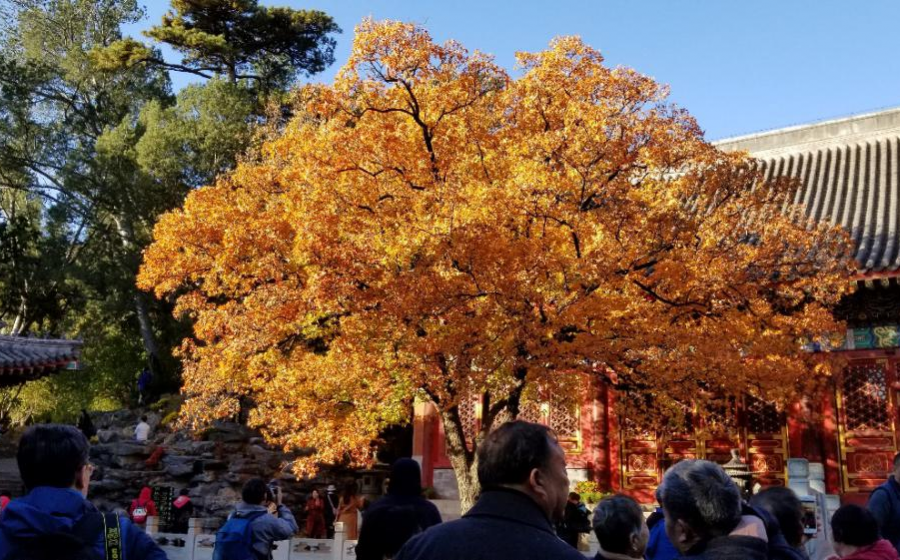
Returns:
(391,521)
(145,501)
(47,510)
(881,550)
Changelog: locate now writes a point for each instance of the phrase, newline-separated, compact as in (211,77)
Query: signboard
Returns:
(163,497)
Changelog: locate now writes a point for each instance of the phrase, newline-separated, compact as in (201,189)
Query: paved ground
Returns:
(9,477)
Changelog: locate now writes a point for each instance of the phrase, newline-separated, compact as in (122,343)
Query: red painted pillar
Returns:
(614,444)
(830,443)
(600,439)
(423,440)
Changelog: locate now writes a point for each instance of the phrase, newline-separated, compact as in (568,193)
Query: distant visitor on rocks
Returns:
(143,506)
(143,385)
(522,473)
(142,430)
(251,530)
(55,520)
(86,425)
(397,517)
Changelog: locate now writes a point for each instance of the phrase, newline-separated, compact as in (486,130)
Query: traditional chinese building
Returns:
(849,174)
(23,359)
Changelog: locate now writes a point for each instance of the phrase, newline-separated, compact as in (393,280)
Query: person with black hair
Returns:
(620,529)
(397,517)
(265,528)
(524,486)
(86,425)
(576,520)
(55,521)
(855,533)
(182,511)
(785,507)
(884,503)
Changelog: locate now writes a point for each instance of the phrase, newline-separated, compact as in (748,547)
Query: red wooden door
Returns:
(866,422)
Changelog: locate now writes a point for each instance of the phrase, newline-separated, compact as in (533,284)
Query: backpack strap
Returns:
(112,536)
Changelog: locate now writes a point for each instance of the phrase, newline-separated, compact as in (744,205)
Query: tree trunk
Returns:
(126,234)
(463,459)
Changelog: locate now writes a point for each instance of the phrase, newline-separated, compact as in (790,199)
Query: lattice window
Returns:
(564,421)
(865,398)
(719,415)
(468,415)
(763,417)
(531,411)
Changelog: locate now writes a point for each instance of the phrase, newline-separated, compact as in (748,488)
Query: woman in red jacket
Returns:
(855,532)
(142,507)
(315,516)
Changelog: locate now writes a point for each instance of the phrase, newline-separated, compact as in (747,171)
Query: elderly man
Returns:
(703,513)
(522,472)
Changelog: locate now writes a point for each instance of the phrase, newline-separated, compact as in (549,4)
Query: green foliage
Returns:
(94,147)
(241,40)
(589,491)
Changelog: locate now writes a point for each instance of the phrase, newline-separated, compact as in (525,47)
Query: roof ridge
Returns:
(818,123)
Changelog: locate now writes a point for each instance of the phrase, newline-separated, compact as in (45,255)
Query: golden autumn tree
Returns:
(429,227)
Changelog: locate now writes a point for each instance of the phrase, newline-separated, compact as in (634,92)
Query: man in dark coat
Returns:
(884,503)
(522,473)
(394,519)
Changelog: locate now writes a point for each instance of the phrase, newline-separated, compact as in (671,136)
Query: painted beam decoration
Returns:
(862,338)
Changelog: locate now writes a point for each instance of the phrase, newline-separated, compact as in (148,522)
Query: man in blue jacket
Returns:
(55,520)
(266,528)
(884,503)
(522,472)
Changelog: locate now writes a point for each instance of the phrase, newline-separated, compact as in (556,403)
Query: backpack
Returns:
(234,541)
(78,545)
(139,514)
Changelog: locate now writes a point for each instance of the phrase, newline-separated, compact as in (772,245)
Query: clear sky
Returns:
(739,66)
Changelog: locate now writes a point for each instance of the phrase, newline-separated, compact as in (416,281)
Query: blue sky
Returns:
(737,66)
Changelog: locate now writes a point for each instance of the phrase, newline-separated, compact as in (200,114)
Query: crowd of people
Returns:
(525,511)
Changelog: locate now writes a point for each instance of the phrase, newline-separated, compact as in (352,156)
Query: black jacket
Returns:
(730,548)
(503,525)
(390,522)
(779,549)
(884,503)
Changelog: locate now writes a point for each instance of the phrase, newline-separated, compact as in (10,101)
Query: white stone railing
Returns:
(198,545)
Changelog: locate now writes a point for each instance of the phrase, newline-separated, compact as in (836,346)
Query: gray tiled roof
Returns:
(849,171)
(24,358)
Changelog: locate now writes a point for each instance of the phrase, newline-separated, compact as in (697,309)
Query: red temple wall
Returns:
(854,461)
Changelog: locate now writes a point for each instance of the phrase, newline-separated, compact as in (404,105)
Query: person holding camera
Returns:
(259,501)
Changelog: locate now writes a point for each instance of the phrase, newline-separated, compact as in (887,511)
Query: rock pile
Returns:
(214,467)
